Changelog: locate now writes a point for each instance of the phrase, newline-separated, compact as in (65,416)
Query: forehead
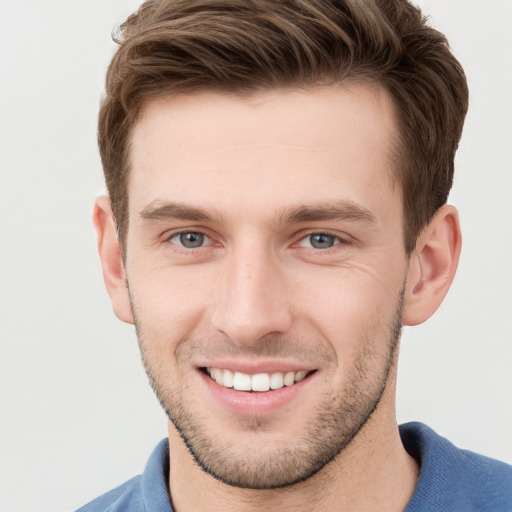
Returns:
(277,147)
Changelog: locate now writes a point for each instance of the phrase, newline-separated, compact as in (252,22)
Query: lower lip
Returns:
(254,403)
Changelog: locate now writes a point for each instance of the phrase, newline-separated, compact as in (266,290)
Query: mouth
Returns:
(258,382)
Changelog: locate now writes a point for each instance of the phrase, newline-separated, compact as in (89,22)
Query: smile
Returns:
(260,382)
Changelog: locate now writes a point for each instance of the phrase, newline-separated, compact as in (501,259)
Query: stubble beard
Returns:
(339,417)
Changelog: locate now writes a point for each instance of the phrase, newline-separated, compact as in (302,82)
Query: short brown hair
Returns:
(242,46)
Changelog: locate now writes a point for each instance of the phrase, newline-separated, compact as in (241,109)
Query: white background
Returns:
(77,415)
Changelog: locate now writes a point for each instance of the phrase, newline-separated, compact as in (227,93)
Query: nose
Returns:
(252,299)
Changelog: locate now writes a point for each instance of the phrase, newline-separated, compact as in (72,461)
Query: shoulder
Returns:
(455,479)
(127,497)
(142,493)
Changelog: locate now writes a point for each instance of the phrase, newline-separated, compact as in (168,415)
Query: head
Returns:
(180,47)
(277,174)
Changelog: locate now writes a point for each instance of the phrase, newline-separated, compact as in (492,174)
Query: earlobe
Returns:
(111,260)
(432,266)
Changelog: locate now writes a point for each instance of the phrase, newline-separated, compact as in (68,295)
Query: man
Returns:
(278,175)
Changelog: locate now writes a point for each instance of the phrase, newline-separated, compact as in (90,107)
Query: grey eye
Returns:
(189,239)
(321,241)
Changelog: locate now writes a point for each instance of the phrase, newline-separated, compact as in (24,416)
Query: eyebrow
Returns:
(165,211)
(343,210)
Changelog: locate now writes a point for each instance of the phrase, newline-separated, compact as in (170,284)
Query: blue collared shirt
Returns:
(450,480)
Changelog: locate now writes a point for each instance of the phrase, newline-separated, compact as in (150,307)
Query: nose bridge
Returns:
(252,301)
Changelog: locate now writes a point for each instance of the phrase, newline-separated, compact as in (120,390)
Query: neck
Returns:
(374,472)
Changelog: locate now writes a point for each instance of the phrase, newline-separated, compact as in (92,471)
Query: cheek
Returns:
(348,308)
(169,302)
(345,292)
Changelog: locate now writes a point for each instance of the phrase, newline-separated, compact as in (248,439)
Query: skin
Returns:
(258,176)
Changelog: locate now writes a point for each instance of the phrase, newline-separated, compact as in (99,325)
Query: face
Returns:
(266,268)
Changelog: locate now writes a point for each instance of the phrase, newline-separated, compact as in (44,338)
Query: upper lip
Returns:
(258,366)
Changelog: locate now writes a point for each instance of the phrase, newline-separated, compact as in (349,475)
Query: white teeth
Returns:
(300,375)
(219,377)
(258,382)
(276,381)
(242,382)
(289,379)
(228,378)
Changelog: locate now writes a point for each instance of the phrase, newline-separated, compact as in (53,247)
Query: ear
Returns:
(111,260)
(432,266)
